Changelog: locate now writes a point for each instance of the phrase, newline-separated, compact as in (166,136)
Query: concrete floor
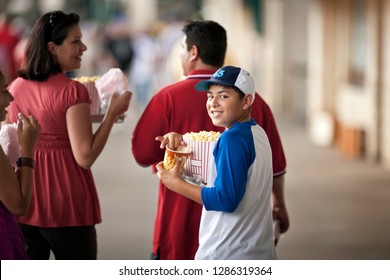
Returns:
(339,209)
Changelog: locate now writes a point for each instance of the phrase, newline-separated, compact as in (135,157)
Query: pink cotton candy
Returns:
(114,81)
(9,142)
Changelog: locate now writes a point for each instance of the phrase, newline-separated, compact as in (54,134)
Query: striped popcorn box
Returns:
(89,83)
(94,95)
(201,145)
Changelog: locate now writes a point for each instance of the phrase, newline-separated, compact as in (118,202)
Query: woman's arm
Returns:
(16,189)
(86,145)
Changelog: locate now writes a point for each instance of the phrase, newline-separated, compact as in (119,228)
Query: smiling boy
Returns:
(236,219)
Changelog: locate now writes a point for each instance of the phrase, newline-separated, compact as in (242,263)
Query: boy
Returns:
(236,220)
(179,107)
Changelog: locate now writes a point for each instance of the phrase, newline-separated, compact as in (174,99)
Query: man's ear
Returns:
(52,48)
(194,54)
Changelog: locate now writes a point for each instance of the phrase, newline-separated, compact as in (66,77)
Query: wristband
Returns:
(25,161)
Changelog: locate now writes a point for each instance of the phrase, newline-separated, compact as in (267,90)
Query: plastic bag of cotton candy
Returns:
(9,141)
(114,81)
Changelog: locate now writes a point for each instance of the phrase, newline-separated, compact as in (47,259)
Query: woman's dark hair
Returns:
(51,27)
(210,39)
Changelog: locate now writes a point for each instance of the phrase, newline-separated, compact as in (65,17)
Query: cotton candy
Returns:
(114,81)
(9,142)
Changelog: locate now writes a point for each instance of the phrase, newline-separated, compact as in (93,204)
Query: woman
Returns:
(65,207)
(15,188)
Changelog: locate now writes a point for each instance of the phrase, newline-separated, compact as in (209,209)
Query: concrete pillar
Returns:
(385,87)
(141,13)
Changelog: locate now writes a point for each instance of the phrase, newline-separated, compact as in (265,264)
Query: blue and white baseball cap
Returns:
(230,76)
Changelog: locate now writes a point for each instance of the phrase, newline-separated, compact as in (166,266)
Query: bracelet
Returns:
(25,161)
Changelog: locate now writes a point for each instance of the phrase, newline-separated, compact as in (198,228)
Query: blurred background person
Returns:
(119,43)
(9,39)
(144,65)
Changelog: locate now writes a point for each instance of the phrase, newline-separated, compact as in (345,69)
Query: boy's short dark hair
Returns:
(240,93)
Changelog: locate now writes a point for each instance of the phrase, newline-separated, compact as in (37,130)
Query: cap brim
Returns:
(203,85)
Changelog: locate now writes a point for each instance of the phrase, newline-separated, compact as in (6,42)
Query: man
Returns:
(179,107)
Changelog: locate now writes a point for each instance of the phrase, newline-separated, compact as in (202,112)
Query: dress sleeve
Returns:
(76,93)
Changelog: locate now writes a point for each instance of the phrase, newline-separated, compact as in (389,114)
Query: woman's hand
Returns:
(119,103)
(28,132)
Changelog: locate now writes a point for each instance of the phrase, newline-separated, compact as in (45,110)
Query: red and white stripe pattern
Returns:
(94,95)
(198,164)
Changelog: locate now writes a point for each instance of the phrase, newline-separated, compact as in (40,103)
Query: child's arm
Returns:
(173,181)
(232,162)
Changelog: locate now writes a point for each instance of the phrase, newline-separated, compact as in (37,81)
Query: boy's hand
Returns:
(172,139)
(169,178)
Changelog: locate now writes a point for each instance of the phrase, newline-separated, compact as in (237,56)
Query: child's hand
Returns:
(169,178)
(172,139)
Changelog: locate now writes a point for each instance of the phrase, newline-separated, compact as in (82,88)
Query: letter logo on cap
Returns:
(219,74)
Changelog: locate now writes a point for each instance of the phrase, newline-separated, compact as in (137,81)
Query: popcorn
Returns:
(202,145)
(86,79)
(203,136)
(89,83)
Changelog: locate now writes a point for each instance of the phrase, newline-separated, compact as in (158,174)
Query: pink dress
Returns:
(64,193)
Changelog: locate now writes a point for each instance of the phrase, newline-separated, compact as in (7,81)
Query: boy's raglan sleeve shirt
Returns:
(232,158)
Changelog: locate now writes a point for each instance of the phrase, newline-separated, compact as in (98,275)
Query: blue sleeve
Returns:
(233,157)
